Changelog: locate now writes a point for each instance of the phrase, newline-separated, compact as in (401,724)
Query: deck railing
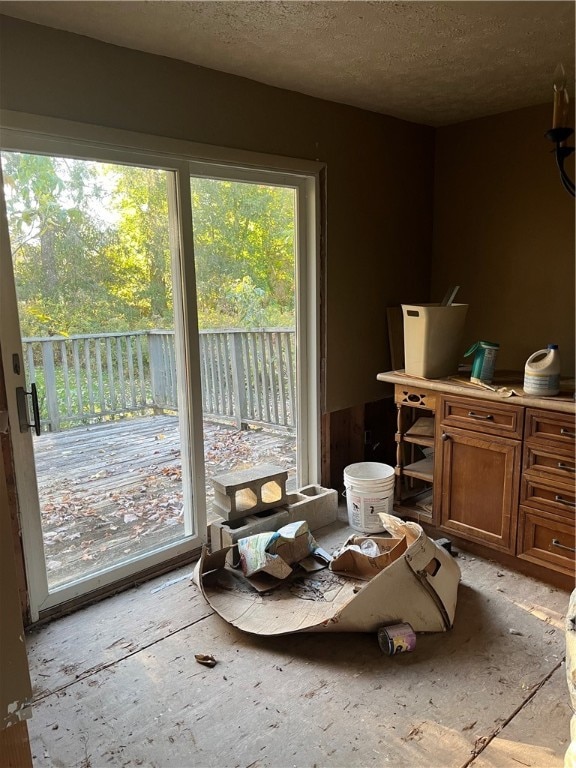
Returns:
(248,377)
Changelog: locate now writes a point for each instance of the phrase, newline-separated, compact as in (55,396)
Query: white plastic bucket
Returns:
(369,473)
(369,490)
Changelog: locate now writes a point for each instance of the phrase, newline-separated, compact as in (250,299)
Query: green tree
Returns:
(244,253)
(140,256)
(57,241)
(90,245)
(92,253)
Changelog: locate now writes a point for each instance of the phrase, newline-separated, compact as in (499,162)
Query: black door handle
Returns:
(22,404)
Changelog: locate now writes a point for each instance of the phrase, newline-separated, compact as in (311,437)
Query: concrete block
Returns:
(224,533)
(215,532)
(249,491)
(315,504)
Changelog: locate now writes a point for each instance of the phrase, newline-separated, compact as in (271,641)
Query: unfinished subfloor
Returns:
(116,684)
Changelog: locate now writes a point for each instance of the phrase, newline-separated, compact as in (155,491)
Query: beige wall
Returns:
(504,232)
(379,170)
(503,225)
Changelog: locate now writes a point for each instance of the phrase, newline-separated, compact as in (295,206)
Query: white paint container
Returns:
(369,491)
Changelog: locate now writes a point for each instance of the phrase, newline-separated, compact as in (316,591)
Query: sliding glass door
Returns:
(156,321)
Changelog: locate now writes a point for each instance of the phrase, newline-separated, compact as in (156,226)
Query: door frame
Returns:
(33,133)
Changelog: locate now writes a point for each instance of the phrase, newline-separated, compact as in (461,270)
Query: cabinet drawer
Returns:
(416,397)
(545,460)
(548,496)
(548,426)
(483,416)
(546,540)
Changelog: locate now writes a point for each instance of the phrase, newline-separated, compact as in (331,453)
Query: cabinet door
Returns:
(476,481)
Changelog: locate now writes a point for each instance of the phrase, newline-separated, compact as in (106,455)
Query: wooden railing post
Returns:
(238,377)
(50,385)
(157,373)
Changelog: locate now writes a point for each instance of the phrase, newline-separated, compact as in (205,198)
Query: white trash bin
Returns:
(433,339)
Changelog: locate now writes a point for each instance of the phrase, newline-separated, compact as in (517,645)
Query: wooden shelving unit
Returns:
(422,470)
(414,453)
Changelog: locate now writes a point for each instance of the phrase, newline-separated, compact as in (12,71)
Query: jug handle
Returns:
(536,354)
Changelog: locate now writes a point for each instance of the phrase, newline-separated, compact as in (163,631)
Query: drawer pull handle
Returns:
(567,467)
(445,436)
(473,415)
(556,543)
(567,432)
(561,500)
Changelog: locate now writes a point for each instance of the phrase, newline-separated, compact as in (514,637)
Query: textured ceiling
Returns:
(429,62)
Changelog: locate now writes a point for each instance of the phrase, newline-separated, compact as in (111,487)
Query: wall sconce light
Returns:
(559,133)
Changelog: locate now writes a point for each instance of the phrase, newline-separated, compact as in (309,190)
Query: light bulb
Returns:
(559,78)
(560,112)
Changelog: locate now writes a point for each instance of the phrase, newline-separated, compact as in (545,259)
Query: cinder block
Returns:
(225,533)
(215,531)
(249,491)
(315,504)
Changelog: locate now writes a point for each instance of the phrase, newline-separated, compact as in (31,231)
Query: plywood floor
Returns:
(116,684)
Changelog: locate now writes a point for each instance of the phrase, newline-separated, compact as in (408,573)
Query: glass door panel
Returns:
(96,265)
(246,282)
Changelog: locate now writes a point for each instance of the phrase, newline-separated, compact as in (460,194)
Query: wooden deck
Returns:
(111,491)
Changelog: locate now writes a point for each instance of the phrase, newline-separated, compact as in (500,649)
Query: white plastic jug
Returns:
(542,372)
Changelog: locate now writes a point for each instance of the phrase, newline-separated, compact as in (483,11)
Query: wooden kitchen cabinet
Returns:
(547,529)
(503,471)
(477,472)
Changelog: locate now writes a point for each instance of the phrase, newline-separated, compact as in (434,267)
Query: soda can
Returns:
(396,638)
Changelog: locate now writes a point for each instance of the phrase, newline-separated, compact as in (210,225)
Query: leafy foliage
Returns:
(244,252)
(92,248)
(58,242)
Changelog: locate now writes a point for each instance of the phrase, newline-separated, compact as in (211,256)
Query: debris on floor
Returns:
(276,551)
(417,585)
(363,556)
(396,638)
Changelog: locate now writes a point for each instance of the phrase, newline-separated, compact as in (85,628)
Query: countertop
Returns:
(506,387)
